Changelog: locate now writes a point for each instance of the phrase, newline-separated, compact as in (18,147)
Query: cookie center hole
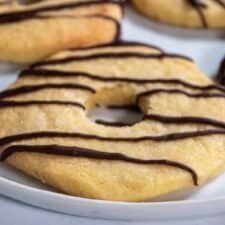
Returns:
(116,115)
(114,106)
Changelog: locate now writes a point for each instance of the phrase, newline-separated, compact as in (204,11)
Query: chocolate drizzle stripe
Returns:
(75,17)
(94,154)
(108,55)
(64,74)
(185,120)
(199,5)
(202,17)
(57,134)
(114,124)
(117,44)
(160,118)
(177,91)
(130,107)
(12,104)
(34,88)
(168,120)
(27,14)
(117,24)
(220,2)
(32,17)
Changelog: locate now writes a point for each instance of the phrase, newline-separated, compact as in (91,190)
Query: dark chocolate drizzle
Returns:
(160,118)
(117,24)
(64,74)
(59,134)
(81,152)
(118,44)
(22,15)
(169,120)
(199,5)
(185,120)
(20,18)
(156,117)
(177,120)
(94,154)
(29,2)
(108,55)
(220,2)
(34,88)
(114,124)
(177,91)
(220,77)
(130,107)
(12,104)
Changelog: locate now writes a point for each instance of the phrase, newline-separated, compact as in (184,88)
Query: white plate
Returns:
(207,48)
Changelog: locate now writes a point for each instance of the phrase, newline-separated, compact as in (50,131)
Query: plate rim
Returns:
(98,201)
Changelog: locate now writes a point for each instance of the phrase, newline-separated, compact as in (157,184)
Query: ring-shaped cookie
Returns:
(32,32)
(46,133)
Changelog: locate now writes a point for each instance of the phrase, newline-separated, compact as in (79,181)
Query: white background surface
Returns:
(14,213)
(204,47)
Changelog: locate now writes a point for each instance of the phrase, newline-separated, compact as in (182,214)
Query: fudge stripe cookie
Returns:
(188,13)
(45,123)
(58,25)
